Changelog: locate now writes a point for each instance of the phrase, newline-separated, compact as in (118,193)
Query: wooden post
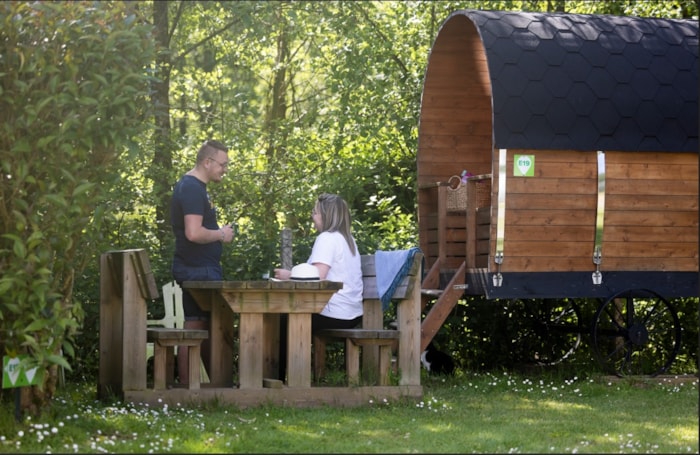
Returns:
(409,320)
(271,322)
(442,223)
(286,248)
(373,318)
(126,281)
(470,220)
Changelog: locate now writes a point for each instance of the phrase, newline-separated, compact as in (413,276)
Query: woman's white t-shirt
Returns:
(330,248)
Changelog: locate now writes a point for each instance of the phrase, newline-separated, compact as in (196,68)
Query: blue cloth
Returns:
(392,267)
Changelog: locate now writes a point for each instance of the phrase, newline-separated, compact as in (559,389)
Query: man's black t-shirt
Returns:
(190,197)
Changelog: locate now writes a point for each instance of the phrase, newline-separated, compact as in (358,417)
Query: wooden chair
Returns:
(375,342)
(174,317)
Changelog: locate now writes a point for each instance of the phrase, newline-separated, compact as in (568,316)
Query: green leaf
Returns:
(6,283)
(83,188)
(59,360)
(57,199)
(19,249)
(38,325)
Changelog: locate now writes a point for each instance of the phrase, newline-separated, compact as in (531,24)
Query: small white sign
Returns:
(524,166)
(14,375)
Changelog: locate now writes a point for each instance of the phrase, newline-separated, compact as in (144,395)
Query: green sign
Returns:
(14,374)
(524,166)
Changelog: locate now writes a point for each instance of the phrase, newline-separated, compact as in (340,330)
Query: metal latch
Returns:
(497,277)
(597,259)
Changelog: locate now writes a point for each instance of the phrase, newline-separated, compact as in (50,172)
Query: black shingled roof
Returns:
(591,82)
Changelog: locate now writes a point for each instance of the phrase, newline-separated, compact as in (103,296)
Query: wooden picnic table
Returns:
(127,282)
(259,304)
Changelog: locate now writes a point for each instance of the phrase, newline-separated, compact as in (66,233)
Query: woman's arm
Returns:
(322,269)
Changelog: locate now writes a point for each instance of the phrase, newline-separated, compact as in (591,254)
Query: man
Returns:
(198,239)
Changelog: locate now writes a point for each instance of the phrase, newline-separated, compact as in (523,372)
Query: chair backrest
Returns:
(404,289)
(373,317)
(172,303)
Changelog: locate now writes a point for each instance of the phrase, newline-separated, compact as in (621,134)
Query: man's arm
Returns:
(197,233)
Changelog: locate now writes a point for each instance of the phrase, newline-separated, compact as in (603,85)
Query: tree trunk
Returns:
(161,167)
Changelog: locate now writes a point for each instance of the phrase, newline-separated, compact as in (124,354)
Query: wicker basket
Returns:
(458,199)
(456,196)
(483,193)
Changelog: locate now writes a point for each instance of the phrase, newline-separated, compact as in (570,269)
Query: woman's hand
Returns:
(282,274)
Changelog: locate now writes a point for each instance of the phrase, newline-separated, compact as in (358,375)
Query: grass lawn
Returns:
(470,413)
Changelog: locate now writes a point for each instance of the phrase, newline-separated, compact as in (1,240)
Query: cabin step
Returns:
(428,296)
(433,293)
(442,307)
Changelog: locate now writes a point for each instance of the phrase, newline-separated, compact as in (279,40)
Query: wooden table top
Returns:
(269,296)
(265,284)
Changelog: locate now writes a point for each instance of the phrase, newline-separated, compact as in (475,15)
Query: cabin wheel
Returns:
(636,332)
(549,330)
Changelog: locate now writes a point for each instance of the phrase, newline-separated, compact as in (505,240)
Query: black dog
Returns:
(437,362)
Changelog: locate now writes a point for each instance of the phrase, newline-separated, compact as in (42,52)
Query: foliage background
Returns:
(310,96)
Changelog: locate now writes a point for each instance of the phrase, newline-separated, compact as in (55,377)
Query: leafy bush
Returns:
(73,91)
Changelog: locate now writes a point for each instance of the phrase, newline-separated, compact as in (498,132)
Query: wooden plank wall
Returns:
(651,220)
(651,213)
(454,130)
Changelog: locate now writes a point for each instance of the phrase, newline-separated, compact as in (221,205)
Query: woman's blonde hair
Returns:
(335,217)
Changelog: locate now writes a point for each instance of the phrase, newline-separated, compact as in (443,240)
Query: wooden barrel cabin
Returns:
(579,135)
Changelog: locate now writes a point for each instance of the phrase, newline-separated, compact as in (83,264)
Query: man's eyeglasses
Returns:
(223,165)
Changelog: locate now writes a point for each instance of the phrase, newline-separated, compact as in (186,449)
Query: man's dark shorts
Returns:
(183,273)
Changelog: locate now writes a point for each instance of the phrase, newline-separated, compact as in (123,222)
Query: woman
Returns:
(336,257)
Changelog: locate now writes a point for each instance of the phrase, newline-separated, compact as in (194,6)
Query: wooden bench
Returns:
(164,340)
(374,341)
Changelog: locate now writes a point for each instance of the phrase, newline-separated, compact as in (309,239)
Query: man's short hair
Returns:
(209,149)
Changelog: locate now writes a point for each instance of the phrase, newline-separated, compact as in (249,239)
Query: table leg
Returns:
(221,343)
(250,359)
(299,350)
(220,352)
(271,350)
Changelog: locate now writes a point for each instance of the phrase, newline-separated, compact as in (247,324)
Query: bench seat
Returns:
(164,340)
(356,338)
(376,343)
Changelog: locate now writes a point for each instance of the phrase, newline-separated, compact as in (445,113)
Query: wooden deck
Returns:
(309,397)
